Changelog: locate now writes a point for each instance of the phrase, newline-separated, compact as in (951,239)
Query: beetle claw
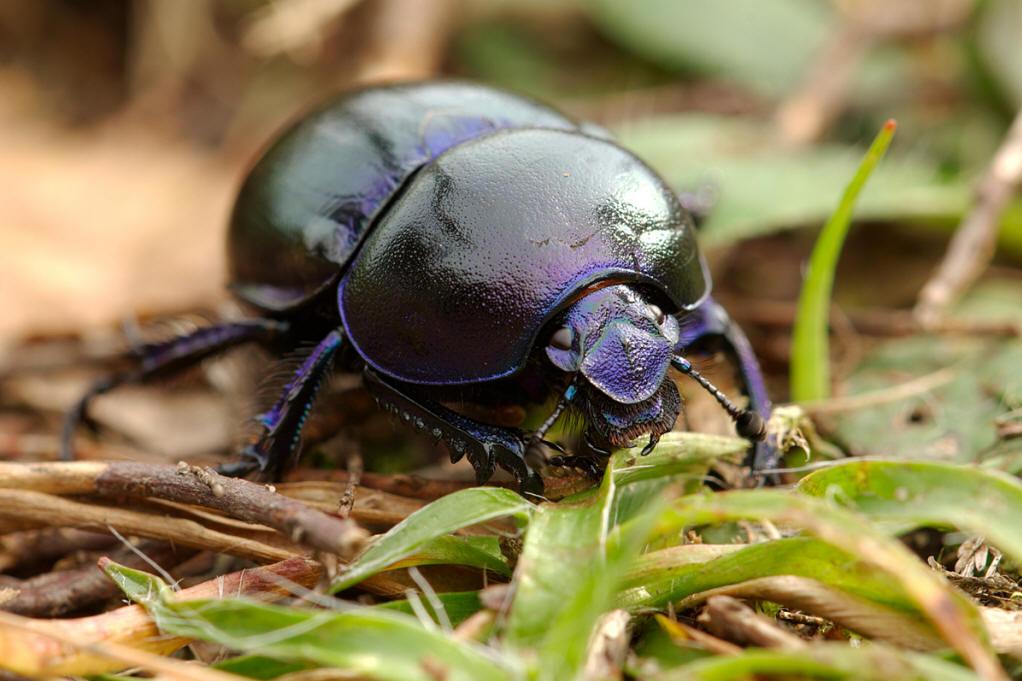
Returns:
(587,464)
(651,445)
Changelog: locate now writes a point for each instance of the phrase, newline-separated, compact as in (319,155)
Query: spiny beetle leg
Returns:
(711,322)
(282,424)
(587,464)
(156,359)
(485,446)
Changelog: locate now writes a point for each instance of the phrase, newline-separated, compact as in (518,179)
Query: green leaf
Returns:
(368,642)
(674,574)
(998,29)
(957,620)
(925,493)
(260,667)
(966,382)
(375,643)
(810,356)
(481,552)
(763,186)
(677,454)
(443,516)
(822,661)
(574,558)
(458,606)
(764,46)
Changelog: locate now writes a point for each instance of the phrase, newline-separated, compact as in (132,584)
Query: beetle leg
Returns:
(591,466)
(282,423)
(157,359)
(486,446)
(711,321)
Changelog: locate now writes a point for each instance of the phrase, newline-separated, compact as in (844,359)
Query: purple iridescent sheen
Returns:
(497,236)
(313,196)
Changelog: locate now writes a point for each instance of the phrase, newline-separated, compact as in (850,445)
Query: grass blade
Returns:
(443,516)
(367,642)
(822,661)
(810,361)
(957,620)
(917,493)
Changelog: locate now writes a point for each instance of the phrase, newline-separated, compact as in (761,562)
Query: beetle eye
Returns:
(562,338)
(658,314)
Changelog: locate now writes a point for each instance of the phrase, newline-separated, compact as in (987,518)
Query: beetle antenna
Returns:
(562,404)
(748,423)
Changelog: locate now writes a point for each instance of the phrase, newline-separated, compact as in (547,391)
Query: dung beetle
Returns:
(455,243)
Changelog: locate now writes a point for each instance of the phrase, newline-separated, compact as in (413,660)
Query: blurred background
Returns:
(126,126)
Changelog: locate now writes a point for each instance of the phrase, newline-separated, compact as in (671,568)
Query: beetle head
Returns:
(621,345)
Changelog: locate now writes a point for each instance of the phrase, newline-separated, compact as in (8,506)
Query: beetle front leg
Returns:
(710,321)
(282,424)
(159,359)
(486,446)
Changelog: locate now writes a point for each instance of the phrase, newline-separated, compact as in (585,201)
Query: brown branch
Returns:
(730,619)
(973,244)
(809,113)
(237,498)
(37,508)
(608,647)
(41,650)
(411,486)
(876,322)
(408,40)
(241,499)
(55,594)
(39,546)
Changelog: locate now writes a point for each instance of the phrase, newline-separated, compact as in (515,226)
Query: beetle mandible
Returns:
(447,238)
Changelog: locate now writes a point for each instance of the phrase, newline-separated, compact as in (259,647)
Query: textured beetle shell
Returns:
(313,196)
(496,236)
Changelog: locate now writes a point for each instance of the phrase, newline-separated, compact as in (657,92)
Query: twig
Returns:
(39,546)
(732,620)
(808,595)
(185,484)
(608,648)
(408,39)
(237,498)
(66,591)
(41,649)
(805,116)
(411,486)
(973,244)
(876,322)
(37,508)
(902,391)
(347,502)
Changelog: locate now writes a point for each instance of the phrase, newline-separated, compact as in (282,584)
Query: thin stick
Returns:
(973,244)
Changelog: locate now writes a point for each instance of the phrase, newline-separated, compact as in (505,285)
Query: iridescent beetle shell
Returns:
(459,221)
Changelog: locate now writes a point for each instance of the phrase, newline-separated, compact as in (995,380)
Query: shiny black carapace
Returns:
(453,242)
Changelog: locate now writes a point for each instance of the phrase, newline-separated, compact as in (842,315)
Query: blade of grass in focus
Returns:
(367,642)
(810,361)
(443,516)
(927,493)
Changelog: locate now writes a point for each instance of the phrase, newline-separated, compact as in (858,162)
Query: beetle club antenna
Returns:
(749,424)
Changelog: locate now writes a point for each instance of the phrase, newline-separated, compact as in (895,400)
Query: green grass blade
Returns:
(481,552)
(669,576)
(810,361)
(372,643)
(917,493)
(443,516)
(957,620)
(831,661)
(575,556)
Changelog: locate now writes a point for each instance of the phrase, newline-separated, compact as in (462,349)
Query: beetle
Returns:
(454,242)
